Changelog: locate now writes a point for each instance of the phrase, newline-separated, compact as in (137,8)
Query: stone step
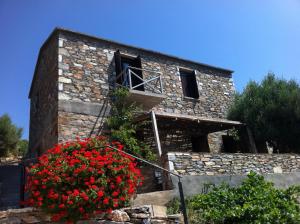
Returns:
(154,198)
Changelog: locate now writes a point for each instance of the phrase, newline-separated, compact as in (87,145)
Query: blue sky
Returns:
(251,37)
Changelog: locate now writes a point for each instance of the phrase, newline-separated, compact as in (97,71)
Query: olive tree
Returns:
(272,110)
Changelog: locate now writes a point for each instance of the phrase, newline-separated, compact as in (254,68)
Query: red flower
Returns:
(64,180)
(105,201)
(118,179)
(75,192)
(92,180)
(100,194)
(115,193)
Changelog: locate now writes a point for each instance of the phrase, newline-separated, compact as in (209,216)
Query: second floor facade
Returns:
(89,67)
(75,73)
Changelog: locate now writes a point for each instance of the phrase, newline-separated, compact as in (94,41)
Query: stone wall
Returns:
(44,99)
(87,72)
(232,164)
(132,215)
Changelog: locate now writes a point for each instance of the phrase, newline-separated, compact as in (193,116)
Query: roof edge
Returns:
(142,49)
(61,29)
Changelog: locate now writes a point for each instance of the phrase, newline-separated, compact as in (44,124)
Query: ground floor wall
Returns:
(232,164)
(81,119)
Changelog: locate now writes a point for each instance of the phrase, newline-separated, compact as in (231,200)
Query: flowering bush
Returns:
(77,179)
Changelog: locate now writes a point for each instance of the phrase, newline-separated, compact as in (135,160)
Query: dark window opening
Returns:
(230,145)
(123,64)
(189,84)
(200,143)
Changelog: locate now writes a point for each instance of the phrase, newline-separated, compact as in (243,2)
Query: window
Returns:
(200,143)
(189,84)
(123,64)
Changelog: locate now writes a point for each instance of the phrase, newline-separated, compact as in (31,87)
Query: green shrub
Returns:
(254,201)
(123,126)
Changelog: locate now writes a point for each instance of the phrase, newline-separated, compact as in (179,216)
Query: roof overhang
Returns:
(187,121)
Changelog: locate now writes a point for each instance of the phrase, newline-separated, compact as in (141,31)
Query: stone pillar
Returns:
(215,141)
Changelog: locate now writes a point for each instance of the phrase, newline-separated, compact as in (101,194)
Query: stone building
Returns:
(186,101)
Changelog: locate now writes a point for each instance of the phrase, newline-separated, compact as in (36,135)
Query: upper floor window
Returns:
(189,83)
(126,63)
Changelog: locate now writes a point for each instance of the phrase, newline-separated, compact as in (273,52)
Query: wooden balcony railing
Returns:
(151,81)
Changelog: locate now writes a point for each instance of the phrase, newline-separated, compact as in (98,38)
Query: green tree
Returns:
(123,126)
(22,147)
(9,136)
(272,111)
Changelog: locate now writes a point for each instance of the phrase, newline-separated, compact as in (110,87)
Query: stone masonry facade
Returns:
(70,97)
(76,72)
(232,164)
(43,99)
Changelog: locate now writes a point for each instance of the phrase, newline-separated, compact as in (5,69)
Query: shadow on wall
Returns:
(10,183)
(198,184)
(99,125)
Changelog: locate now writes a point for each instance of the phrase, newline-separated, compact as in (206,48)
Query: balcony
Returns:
(145,86)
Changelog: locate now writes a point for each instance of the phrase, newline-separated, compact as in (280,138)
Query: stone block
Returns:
(119,216)
(209,163)
(159,211)
(11,220)
(277,169)
(64,80)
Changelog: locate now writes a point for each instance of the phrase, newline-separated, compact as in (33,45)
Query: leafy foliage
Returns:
(124,128)
(272,111)
(9,136)
(22,147)
(77,179)
(255,201)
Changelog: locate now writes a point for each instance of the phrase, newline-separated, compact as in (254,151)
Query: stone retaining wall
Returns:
(135,215)
(232,164)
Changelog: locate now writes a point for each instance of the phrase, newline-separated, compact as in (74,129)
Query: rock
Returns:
(159,211)
(277,169)
(119,216)
(11,220)
(3,214)
(140,221)
(140,216)
(30,219)
(20,210)
(64,80)
(90,222)
(209,163)
(63,96)
(158,221)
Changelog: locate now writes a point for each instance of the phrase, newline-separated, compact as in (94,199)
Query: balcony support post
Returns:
(129,77)
(156,135)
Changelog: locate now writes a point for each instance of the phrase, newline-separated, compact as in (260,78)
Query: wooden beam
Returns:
(156,135)
(197,118)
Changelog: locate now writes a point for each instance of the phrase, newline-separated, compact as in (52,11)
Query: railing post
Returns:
(182,201)
(129,76)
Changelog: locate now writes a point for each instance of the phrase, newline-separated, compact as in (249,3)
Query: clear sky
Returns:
(251,37)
